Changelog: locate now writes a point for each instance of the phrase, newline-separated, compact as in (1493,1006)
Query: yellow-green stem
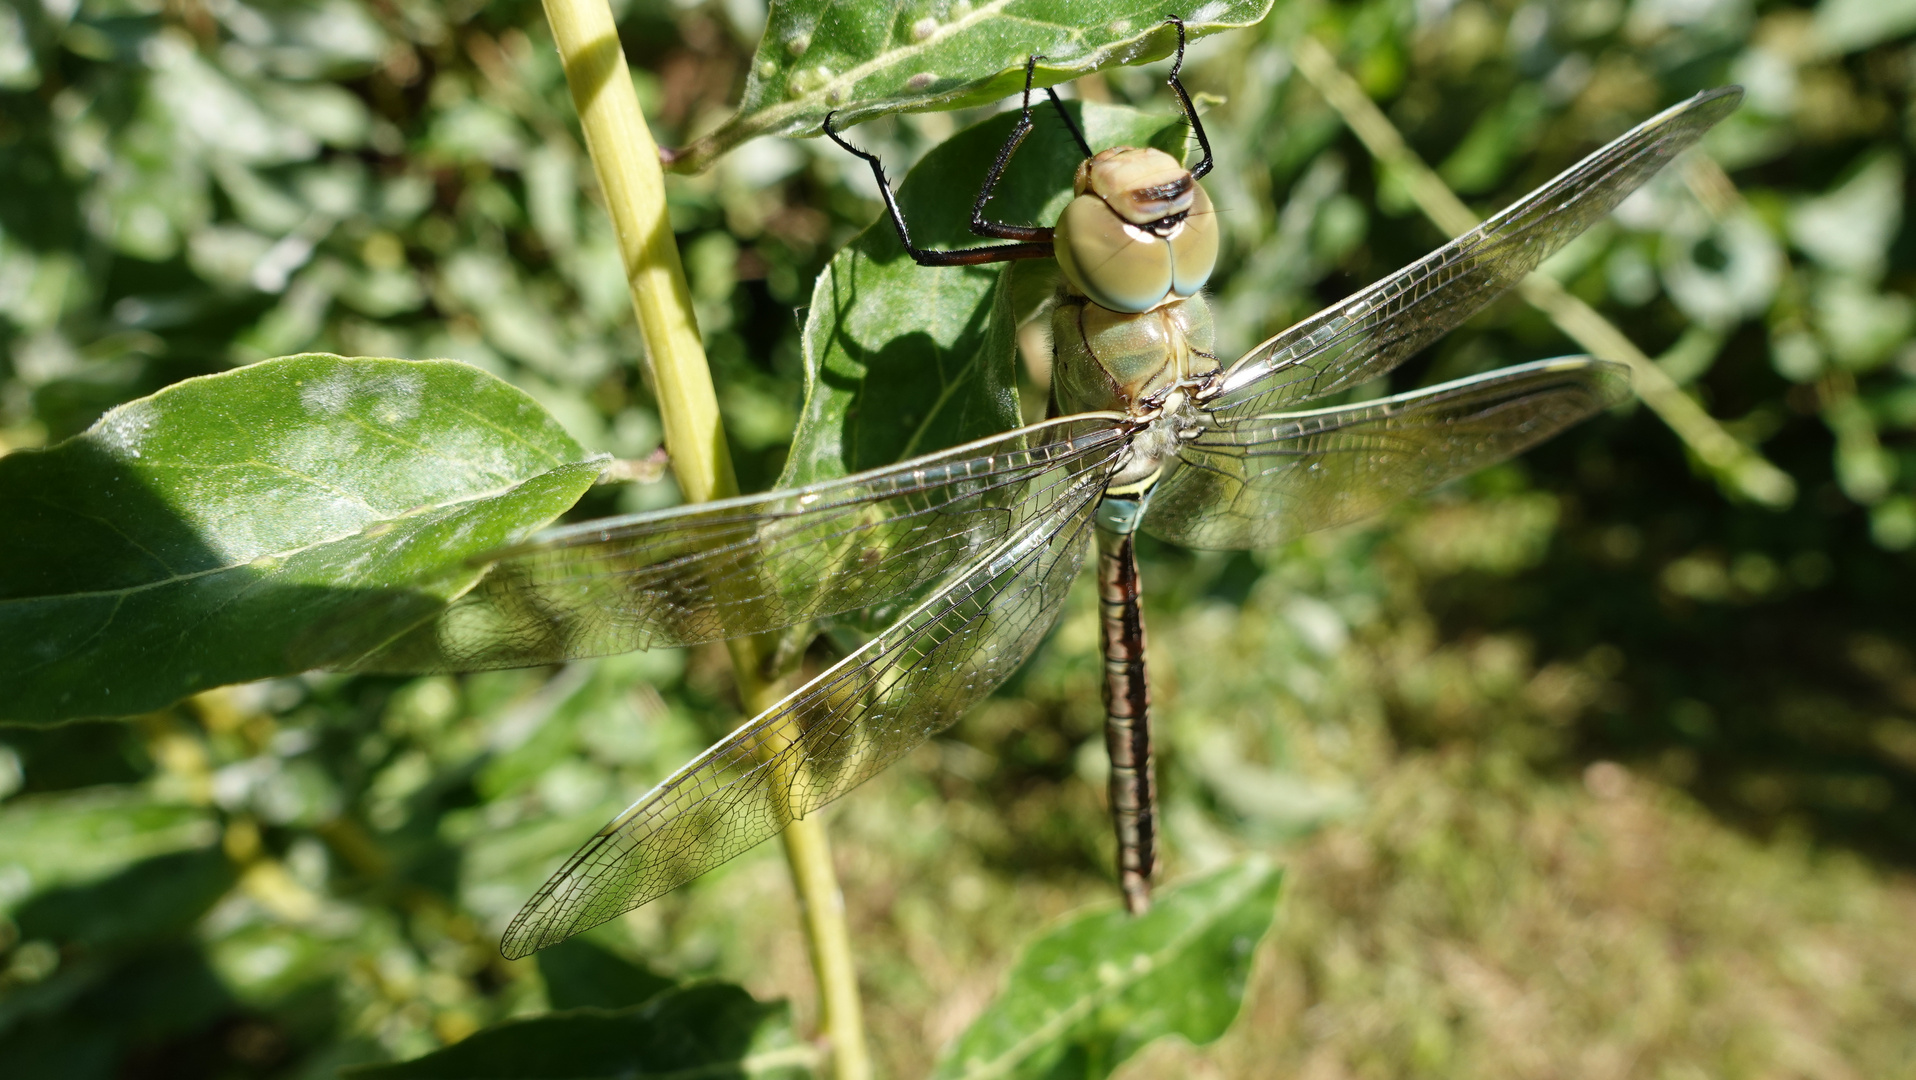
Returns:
(626,161)
(821,907)
(1736,464)
(627,164)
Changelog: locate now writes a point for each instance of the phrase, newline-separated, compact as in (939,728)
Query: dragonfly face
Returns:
(1138,232)
(975,547)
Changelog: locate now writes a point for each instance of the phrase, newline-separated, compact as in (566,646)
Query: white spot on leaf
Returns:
(1209,13)
(329,395)
(125,429)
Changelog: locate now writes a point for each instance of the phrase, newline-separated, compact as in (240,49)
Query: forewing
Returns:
(1257,481)
(903,686)
(1372,332)
(748,565)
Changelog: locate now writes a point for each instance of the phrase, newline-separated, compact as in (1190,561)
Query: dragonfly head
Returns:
(1140,231)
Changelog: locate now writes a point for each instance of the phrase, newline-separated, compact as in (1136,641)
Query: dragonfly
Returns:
(971,551)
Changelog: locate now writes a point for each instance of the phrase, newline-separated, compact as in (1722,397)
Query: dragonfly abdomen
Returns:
(1127,718)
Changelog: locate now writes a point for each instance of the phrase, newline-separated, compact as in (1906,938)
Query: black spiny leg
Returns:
(1190,112)
(999,230)
(1035,241)
(1070,124)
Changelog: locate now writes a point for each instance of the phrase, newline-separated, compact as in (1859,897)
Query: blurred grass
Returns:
(1576,769)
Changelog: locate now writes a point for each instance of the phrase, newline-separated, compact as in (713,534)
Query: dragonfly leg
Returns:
(997,229)
(927,256)
(1127,718)
(1077,134)
(1184,99)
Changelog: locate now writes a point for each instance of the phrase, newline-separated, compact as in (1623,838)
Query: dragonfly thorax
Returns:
(1153,448)
(1109,361)
(1139,233)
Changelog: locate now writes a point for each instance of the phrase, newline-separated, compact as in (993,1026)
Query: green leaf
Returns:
(713,1030)
(72,838)
(108,930)
(579,974)
(143,904)
(1091,992)
(290,515)
(902,359)
(866,60)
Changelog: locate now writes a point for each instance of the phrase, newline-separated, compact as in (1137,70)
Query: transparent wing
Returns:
(748,565)
(903,686)
(1260,480)
(1377,329)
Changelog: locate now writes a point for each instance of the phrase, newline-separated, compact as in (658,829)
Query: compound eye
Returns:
(1114,263)
(1141,184)
(1194,247)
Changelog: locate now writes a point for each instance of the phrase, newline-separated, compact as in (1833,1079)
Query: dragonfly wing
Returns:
(903,686)
(1377,329)
(747,565)
(1260,480)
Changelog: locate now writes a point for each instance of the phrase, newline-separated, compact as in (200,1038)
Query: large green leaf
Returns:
(713,1030)
(1090,993)
(290,515)
(902,359)
(864,59)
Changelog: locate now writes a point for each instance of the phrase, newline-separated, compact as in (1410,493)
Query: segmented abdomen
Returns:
(1127,718)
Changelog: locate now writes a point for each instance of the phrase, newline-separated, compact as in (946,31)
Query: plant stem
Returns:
(821,906)
(1736,465)
(626,161)
(627,164)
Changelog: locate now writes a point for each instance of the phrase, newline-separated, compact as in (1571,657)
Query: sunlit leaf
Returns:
(1092,992)
(290,515)
(1852,226)
(866,60)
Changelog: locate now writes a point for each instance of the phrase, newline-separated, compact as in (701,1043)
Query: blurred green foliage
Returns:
(1575,767)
